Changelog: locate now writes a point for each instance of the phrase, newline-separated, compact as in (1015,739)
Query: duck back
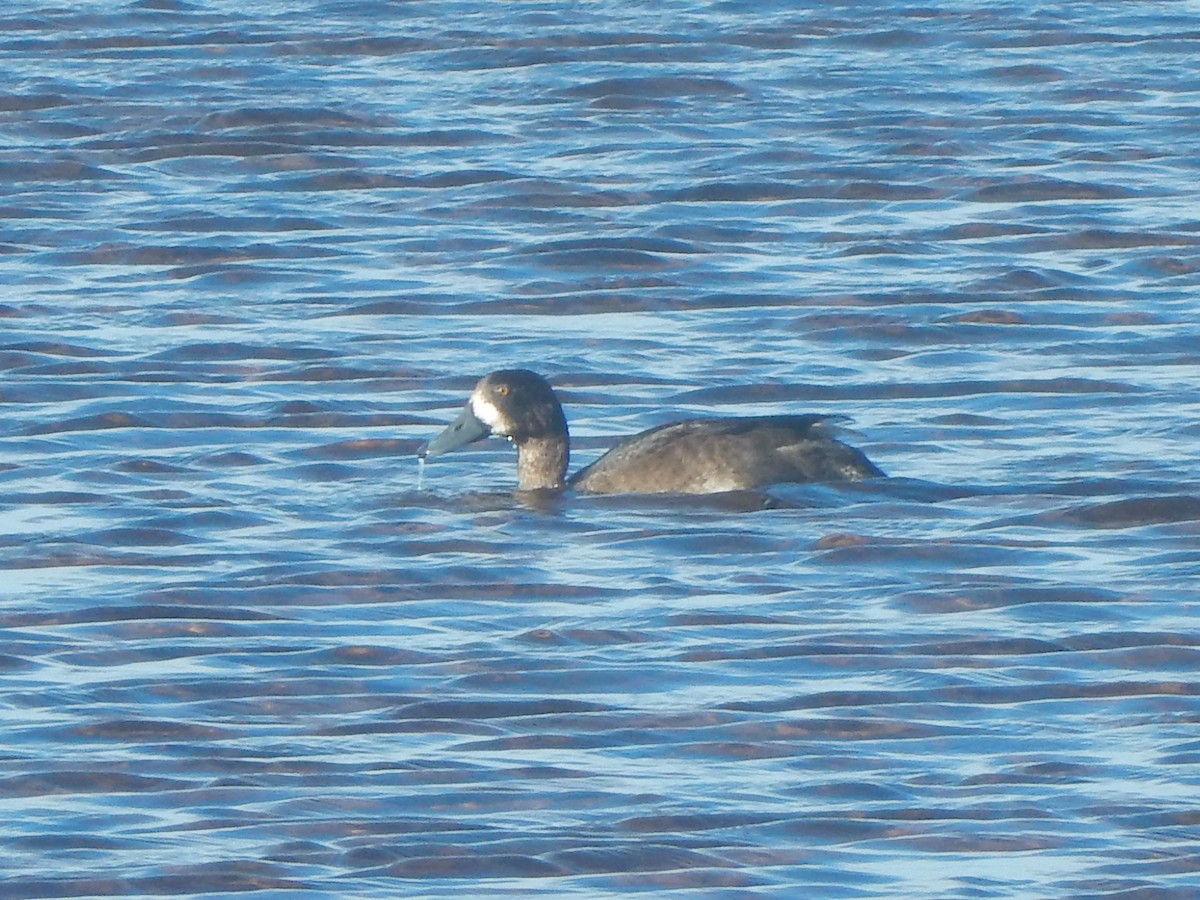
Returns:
(703,456)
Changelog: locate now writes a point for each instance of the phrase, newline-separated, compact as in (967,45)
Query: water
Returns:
(255,254)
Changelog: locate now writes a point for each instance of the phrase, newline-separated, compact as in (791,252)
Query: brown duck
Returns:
(696,456)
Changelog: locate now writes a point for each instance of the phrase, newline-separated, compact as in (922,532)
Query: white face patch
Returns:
(485,411)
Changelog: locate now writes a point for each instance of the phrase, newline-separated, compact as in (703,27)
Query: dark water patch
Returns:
(86,555)
(607,258)
(907,555)
(69,369)
(1164,266)
(58,348)
(793,392)
(9,663)
(979,231)
(402,307)
(1103,239)
(102,421)
(367,448)
(463,178)
(231,350)
(1021,279)
(168,421)
(322,472)
(197,146)
(711,620)
(340,181)
(847,649)
(828,829)
(776,651)
(151,467)
(879,249)
(273,116)
(380,45)
(137,613)
(746,192)
(201,222)
(982,697)
(140,730)
(1027,73)
(891,39)
(453,137)
(641,857)
(61,171)
(211,519)
(1129,512)
(495,709)
(988,317)
(410,726)
(87,782)
(657,87)
(1133,512)
(69,842)
(191,319)
(1000,844)
(1124,639)
(767,735)
(1047,35)
(53,498)
(588,637)
(702,235)
(569,740)
(31,102)
(885,192)
(473,867)
(15,361)
(465,584)
(213,877)
(594,680)
(628,102)
(361,181)
(1039,189)
(638,244)
(9,311)
(982,597)
(990,647)
(553,198)
(705,544)
(187,255)
(138,537)
(1052,773)
(230,459)
(379,656)
(333,373)
(1116,152)
(1091,487)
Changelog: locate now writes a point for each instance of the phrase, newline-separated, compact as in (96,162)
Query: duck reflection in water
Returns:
(696,456)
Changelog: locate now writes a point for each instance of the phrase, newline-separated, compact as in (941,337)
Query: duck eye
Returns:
(502,390)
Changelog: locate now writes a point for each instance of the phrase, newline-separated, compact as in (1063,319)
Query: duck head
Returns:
(519,405)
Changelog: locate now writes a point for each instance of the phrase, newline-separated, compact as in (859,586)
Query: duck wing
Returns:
(701,456)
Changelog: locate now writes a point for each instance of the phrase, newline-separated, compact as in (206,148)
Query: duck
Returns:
(695,456)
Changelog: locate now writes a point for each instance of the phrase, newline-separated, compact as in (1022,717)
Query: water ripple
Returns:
(253,259)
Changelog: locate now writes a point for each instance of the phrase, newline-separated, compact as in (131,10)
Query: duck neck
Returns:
(542,463)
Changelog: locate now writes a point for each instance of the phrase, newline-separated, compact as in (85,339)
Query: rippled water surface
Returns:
(254,254)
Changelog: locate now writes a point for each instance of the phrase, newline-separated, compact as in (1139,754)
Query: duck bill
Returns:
(466,429)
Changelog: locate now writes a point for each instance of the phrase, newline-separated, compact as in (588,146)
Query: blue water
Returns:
(254,254)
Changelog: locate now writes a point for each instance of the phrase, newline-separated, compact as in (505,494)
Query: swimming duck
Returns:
(697,456)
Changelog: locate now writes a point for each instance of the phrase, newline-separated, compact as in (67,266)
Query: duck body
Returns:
(697,456)
(706,456)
